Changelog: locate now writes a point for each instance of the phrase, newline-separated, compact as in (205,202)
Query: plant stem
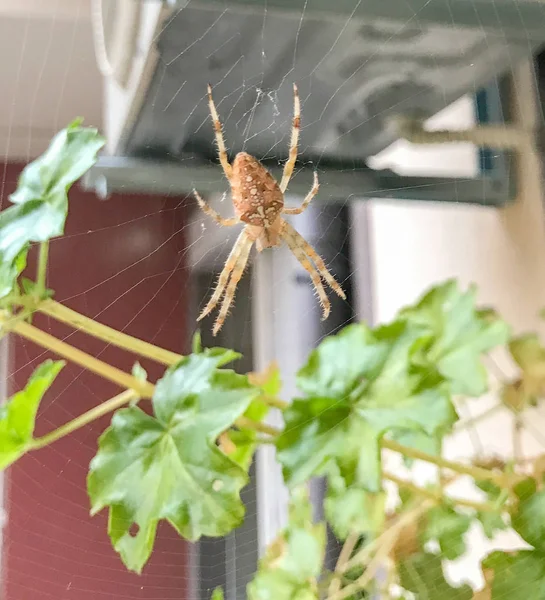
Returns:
(275,402)
(108,334)
(476,472)
(461,425)
(257,426)
(344,557)
(84,419)
(437,496)
(43,257)
(403,520)
(144,388)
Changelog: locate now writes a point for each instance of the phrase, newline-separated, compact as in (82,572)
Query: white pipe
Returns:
(116,62)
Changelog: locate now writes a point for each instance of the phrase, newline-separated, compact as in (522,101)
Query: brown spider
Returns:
(258,201)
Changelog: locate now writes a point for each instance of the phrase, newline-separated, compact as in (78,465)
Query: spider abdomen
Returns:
(257,198)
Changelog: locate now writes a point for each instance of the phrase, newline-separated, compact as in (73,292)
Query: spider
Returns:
(258,201)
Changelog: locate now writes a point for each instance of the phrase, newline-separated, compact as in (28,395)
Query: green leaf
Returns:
(167,466)
(244,441)
(217,594)
(492,522)
(40,201)
(341,361)
(447,526)
(353,509)
(516,576)
(528,518)
(71,153)
(528,352)
(18,414)
(459,335)
(139,372)
(294,561)
(423,575)
(388,394)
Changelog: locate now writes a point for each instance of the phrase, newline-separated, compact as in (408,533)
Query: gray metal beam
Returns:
(502,15)
(132,175)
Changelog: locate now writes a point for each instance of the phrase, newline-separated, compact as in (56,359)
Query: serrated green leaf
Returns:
(448,527)
(167,466)
(71,153)
(294,561)
(516,576)
(353,509)
(423,575)
(341,361)
(40,201)
(387,394)
(459,335)
(528,518)
(18,414)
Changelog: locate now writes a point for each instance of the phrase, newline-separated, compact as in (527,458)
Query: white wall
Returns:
(416,245)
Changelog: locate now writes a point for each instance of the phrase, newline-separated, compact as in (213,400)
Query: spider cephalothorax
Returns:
(258,201)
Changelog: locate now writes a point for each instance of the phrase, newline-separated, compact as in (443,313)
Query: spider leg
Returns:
(208,210)
(290,164)
(236,275)
(306,201)
(230,264)
(300,241)
(228,170)
(311,270)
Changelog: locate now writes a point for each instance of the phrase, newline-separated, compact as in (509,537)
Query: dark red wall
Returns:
(122,261)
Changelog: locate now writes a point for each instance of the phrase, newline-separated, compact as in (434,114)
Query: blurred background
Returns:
(391,219)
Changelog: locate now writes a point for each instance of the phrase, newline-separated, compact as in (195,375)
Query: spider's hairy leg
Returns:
(230,264)
(290,164)
(313,255)
(311,270)
(227,168)
(307,200)
(208,210)
(236,275)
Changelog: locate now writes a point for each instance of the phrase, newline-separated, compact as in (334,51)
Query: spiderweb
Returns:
(145,264)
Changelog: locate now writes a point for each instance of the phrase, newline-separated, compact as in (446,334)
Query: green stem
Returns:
(393,531)
(462,425)
(113,374)
(439,497)
(84,419)
(246,423)
(275,402)
(41,279)
(499,478)
(107,334)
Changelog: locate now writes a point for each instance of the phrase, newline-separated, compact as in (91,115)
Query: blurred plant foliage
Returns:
(180,449)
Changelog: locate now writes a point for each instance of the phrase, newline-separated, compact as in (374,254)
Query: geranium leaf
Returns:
(459,334)
(517,575)
(386,395)
(448,527)
(422,574)
(293,562)
(18,414)
(167,466)
(41,201)
(528,516)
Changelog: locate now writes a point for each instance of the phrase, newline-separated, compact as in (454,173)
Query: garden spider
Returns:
(258,201)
